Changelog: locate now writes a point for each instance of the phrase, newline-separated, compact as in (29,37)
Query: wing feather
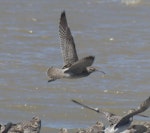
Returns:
(144,106)
(80,66)
(67,42)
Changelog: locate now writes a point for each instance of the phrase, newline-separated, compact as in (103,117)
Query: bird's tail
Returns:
(55,73)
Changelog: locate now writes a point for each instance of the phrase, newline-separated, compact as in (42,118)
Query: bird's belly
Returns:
(121,129)
(75,76)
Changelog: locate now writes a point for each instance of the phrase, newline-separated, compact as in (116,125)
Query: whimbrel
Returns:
(72,67)
(117,123)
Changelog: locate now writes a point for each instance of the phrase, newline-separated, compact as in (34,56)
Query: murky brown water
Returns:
(118,34)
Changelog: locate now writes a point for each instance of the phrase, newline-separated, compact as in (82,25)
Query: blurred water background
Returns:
(116,32)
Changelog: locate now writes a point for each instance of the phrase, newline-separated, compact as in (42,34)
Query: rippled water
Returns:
(116,32)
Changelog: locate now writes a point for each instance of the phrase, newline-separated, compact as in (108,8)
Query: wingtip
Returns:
(93,57)
(73,100)
(63,13)
(147,101)
(90,57)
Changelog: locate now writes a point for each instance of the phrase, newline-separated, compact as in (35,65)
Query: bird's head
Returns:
(93,69)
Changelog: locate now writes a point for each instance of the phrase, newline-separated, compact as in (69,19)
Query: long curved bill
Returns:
(101,72)
(97,69)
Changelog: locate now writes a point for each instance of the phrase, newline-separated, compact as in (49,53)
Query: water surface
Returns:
(116,32)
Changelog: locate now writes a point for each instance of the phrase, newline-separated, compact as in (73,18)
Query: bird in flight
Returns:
(72,67)
(117,123)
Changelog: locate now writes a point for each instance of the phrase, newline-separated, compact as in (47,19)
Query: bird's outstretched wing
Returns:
(144,106)
(112,118)
(80,66)
(86,106)
(67,42)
